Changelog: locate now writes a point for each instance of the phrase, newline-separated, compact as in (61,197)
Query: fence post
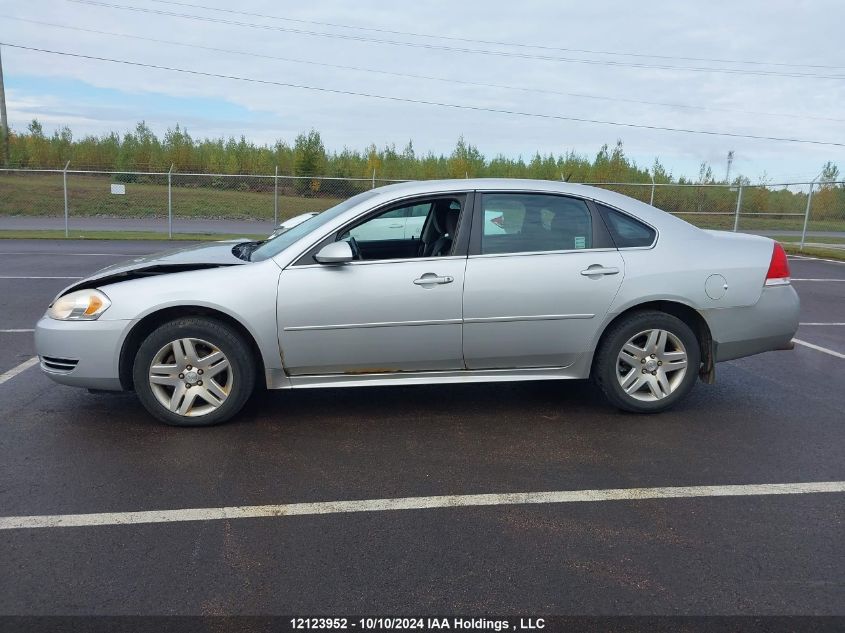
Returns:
(651,202)
(64,179)
(738,206)
(276,199)
(807,214)
(170,203)
(374,179)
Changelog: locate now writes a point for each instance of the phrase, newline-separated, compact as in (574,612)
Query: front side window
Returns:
(529,222)
(275,245)
(396,224)
(401,212)
(422,228)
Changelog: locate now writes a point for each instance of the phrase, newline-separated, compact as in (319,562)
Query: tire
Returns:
(658,381)
(221,377)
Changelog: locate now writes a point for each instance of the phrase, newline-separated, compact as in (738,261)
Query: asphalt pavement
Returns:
(769,419)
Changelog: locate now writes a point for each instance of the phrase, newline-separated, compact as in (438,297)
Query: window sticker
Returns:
(580,241)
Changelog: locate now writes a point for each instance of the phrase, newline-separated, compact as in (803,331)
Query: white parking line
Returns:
(413,503)
(16,331)
(14,371)
(818,348)
(14,277)
(818,259)
(75,254)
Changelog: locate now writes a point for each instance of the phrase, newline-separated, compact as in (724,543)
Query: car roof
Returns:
(644,211)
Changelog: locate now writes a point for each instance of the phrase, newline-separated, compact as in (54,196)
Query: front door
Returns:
(399,308)
(539,283)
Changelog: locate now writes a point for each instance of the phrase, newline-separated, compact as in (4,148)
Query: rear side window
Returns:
(529,222)
(625,230)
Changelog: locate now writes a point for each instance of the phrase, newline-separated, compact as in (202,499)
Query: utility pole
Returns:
(4,122)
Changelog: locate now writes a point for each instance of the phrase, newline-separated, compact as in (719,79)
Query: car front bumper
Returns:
(81,353)
(766,326)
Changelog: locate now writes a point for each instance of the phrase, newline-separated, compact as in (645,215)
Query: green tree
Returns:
(309,160)
(178,149)
(829,175)
(466,161)
(37,146)
(828,201)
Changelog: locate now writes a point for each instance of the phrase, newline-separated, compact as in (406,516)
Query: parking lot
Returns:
(776,418)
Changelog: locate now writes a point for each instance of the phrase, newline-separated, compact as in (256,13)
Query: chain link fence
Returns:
(168,203)
(75,201)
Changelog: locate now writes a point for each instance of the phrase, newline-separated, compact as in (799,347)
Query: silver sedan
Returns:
(505,280)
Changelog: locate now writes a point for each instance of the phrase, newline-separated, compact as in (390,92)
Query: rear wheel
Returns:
(194,371)
(647,362)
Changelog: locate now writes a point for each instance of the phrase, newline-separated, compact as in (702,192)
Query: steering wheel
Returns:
(356,249)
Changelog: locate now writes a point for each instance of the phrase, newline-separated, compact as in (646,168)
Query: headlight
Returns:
(82,305)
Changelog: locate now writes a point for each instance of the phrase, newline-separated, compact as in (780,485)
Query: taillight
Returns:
(778,267)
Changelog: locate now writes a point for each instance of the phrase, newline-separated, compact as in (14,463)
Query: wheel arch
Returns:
(153,320)
(687,314)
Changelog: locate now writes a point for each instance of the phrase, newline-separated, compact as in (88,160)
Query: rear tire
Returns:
(647,362)
(194,371)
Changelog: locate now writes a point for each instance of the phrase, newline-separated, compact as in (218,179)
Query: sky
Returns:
(582,60)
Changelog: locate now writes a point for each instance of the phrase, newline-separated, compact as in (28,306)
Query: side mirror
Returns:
(335,253)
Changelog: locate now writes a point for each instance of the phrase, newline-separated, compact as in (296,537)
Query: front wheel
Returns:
(647,362)
(194,371)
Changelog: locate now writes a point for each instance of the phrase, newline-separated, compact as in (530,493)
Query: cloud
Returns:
(118,96)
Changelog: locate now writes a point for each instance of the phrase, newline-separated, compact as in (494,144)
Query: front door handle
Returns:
(429,279)
(597,269)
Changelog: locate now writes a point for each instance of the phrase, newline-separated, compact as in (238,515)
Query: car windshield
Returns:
(276,245)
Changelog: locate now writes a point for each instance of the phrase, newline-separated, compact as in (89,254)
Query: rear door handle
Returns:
(596,269)
(431,279)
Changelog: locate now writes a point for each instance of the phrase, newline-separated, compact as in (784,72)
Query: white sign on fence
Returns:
(118,190)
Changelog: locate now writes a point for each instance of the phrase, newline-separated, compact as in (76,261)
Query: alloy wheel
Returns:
(651,365)
(190,377)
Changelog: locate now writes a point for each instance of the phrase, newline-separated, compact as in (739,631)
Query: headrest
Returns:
(441,210)
(569,220)
(452,221)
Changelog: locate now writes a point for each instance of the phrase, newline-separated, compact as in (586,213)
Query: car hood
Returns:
(198,257)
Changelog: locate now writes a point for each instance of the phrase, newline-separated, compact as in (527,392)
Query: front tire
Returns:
(647,362)
(194,371)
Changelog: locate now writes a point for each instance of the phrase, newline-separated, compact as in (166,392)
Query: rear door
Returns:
(541,275)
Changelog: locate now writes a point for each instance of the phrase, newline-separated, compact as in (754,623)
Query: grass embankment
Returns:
(90,196)
(816,251)
(811,238)
(748,222)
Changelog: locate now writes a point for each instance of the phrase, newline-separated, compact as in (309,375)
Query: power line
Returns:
(414,76)
(358,38)
(493,42)
(537,115)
